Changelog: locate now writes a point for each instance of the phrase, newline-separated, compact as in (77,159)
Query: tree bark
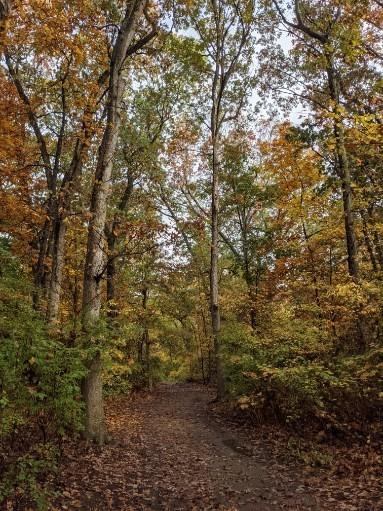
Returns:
(111,236)
(40,269)
(58,256)
(94,411)
(249,279)
(214,285)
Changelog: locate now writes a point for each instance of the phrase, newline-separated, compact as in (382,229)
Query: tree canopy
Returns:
(189,191)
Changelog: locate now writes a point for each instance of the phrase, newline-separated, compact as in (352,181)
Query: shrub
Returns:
(290,374)
(39,388)
(23,479)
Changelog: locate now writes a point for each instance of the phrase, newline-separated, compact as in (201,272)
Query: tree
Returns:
(328,32)
(150,110)
(224,29)
(63,126)
(124,46)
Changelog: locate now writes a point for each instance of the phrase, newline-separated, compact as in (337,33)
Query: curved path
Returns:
(171,454)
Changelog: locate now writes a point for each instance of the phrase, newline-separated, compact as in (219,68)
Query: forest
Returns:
(191,255)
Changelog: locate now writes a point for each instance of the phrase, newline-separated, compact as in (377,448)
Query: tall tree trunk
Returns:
(379,248)
(146,340)
(111,270)
(60,217)
(95,260)
(343,167)
(313,268)
(94,410)
(248,275)
(208,341)
(249,279)
(110,287)
(58,256)
(149,375)
(214,285)
(344,173)
(39,269)
(216,95)
(225,40)
(111,236)
(368,241)
(76,302)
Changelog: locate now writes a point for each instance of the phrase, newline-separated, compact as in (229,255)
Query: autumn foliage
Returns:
(188,193)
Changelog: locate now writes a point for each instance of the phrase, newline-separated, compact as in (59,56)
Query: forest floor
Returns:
(172,452)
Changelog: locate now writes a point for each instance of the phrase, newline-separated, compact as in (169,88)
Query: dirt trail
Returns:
(172,455)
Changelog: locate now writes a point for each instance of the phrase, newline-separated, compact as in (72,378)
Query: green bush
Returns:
(40,381)
(290,374)
(39,376)
(24,477)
